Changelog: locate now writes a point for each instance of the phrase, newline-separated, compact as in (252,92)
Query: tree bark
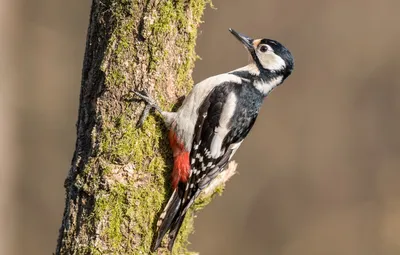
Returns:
(119,176)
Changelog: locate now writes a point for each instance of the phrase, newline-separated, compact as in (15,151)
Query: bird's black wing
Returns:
(205,165)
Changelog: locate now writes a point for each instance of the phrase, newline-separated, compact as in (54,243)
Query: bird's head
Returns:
(269,55)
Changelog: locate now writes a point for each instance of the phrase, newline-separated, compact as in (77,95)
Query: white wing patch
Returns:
(234,148)
(222,130)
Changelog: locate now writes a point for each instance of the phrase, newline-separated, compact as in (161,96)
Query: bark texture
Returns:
(119,176)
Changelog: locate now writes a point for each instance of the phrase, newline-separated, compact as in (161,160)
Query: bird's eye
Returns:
(263,48)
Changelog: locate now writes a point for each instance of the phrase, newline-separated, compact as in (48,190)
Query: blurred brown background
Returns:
(318,174)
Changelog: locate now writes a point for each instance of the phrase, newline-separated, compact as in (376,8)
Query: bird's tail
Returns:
(177,223)
(168,219)
(173,233)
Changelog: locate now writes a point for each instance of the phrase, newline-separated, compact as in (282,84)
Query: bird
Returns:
(212,122)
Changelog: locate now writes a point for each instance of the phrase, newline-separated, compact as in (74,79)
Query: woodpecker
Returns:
(212,122)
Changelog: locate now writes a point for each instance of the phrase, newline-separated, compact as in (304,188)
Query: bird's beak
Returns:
(247,41)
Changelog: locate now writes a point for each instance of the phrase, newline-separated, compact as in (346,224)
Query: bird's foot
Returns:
(150,104)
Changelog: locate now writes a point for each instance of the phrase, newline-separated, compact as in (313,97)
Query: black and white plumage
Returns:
(225,118)
(212,122)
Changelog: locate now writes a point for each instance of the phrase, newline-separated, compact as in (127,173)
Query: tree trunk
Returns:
(119,176)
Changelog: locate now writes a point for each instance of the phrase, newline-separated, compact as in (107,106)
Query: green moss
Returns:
(166,15)
(123,142)
(120,43)
(189,43)
(116,203)
(202,201)
(135,201)
(129,213)
(161,28)
(175,12)
(122,49)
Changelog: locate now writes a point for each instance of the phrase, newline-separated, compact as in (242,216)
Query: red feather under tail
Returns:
(181,169)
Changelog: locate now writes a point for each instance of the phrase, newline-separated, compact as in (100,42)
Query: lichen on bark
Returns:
(118,181)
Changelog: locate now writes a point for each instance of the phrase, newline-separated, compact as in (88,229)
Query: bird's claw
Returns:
(150,104)
(149,101)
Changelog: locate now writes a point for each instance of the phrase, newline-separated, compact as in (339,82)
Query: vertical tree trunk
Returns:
(119,176)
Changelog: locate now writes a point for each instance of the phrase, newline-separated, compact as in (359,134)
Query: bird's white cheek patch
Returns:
(271,61)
